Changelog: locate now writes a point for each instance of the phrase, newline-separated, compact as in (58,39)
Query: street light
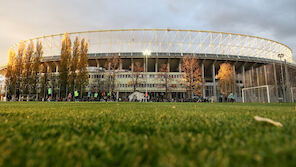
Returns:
(146,53)
(282,75)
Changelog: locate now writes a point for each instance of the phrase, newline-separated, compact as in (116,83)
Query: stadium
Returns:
(264,69)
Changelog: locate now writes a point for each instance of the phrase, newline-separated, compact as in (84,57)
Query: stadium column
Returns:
(57,66)
(48,67)
(203,79)
(258,83)
(180,65)
(257,76)
(132,65)
(234,78)
(156,64)
(120,64)
(244,81)
(251,76)
(57,70)
(169,65)
(214,81)
(265,74)
(144,64)
(244,75)
(275,81)
(288,86)
(49,70)
(98,63)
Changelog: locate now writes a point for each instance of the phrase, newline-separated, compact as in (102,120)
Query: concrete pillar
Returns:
(287,83)
(98,63)
(132,65)
(203,79)
(251,76)
(144,64)
(257,76)
(180,65)
(234,82)
(169,69)
(265,75)
(275,82)
(156,64)
(56,66)
(244,75)
(214,81)
(120,64)
(258,83)
(48,67)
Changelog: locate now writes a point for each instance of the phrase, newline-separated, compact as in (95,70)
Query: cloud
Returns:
(26,19)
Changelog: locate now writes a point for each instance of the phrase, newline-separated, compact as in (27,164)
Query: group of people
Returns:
(113,96)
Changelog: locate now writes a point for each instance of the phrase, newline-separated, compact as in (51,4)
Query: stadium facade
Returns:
(256,61)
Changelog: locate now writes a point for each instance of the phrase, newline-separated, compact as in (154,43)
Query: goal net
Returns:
(259,94)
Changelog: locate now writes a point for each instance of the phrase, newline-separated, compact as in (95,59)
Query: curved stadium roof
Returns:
(171,41)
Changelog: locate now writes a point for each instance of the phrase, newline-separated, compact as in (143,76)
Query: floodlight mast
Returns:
(282,76)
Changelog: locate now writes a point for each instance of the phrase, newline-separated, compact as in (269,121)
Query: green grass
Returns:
(146,134)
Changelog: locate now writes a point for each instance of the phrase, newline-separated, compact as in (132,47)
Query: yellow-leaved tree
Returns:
(27,70)
(65,64)
(82,76)
(192,75)
(19,67)
(74,66)
(226,78)
(11,73)
(36,67)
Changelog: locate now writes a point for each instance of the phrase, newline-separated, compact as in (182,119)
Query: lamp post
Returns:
(146,53)
(282,76)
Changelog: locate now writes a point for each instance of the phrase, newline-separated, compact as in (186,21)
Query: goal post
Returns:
(260,94)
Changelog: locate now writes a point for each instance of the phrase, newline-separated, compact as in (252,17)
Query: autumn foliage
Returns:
(226,78)
(136,73)
(112,65)
(192,75)
(164,76)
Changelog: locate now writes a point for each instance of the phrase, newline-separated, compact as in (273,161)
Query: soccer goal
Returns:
(259,94)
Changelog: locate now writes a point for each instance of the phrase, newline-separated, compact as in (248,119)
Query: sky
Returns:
(24,19)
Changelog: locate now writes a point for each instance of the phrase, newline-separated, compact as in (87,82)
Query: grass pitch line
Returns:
(261,119)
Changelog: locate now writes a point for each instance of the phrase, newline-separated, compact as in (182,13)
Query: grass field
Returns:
(146,134)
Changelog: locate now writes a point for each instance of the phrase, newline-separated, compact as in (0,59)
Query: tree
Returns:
(74,65)
(35,66)
(10,72)
(163,75)
(82,78)
(138,69)
(226,78)
(113,65)
(27,70)
(19,66)
(192,75)
(65,64)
